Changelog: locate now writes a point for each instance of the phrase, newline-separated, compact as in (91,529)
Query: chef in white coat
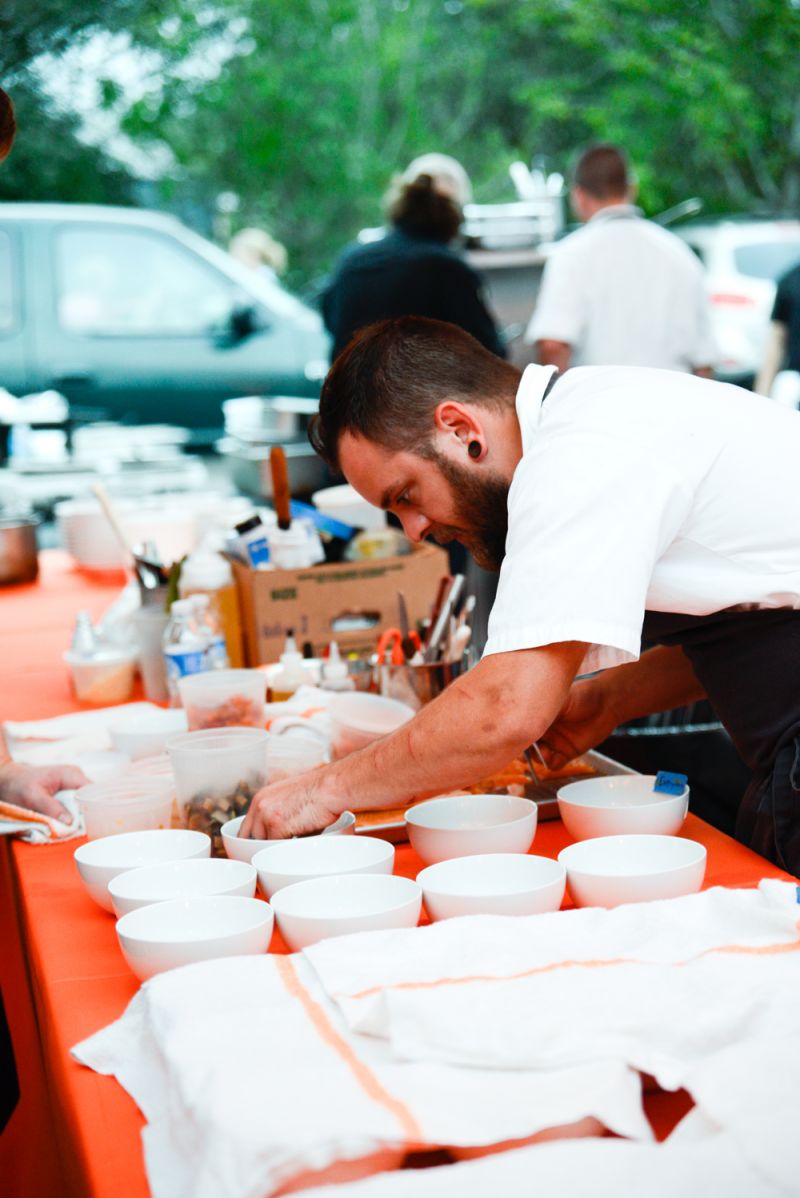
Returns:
(615,502)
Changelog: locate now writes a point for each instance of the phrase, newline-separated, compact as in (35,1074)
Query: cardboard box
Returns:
(349,602)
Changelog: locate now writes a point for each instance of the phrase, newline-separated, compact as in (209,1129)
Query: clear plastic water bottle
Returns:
(209,625)
(185,647)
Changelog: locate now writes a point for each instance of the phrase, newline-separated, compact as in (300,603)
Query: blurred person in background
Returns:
(782,351)
(621,291)
(413,270)
(256,249)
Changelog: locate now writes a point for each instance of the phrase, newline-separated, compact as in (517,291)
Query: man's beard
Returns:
(482,504)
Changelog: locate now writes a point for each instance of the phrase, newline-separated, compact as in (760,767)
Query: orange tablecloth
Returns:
(62,974)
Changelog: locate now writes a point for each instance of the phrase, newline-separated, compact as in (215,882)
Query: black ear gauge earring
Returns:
(474,449)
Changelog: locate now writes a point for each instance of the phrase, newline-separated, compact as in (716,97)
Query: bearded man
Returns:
(614,501)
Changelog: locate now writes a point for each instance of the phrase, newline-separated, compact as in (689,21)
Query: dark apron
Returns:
(748,663)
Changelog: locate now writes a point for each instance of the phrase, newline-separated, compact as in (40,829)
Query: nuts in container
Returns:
(209,809)
(216,775)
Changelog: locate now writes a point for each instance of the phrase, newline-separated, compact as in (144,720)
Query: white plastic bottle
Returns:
(185,647)
(335,675)
(292,673)
(209,626)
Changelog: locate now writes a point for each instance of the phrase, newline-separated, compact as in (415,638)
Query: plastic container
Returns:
(216,775)
(104,679)
(149,624)
(125,805)
(288,756)
(291,548)
(224,699)
(344,503)
(358,719)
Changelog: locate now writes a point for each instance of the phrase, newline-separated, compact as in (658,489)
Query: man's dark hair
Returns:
(420,210)
(8,124)
(603,172)
(386,384)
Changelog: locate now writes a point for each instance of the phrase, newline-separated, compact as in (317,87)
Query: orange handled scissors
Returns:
(394,638)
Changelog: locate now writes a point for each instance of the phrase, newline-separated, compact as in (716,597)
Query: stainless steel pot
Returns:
(19,553)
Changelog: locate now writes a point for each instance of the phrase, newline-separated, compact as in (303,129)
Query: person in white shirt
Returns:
(612,500)
(620,291)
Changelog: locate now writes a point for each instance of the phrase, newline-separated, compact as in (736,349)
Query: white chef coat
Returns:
(623,291)
(643,489)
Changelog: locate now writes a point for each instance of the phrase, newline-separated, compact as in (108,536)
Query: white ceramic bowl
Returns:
(310,911)
(180,879)
(344,503)
(460,825)
(492,884)
(166,935)
(610,870)
(147,735)
(99,861)
(243,848)
(620,806)
(285,862)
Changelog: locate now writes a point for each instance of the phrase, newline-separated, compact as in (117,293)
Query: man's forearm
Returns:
(554,353)
(661,679)
(477,726)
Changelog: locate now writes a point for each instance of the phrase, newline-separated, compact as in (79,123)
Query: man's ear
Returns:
(458,421)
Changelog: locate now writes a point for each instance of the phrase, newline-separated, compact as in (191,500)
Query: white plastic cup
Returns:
(125,805)
(224,699)
(216,775)
(103,680)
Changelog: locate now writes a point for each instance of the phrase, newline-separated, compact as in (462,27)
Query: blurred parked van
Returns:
(744,257)
(131,314)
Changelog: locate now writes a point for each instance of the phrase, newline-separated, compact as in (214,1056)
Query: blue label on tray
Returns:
(667,783)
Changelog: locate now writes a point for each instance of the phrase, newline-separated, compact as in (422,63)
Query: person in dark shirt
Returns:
(412,271)
(783,345)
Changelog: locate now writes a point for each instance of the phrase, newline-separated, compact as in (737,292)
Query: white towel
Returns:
(360,974)
(581,1169)
(249,1080)
(42,829)
(32,741)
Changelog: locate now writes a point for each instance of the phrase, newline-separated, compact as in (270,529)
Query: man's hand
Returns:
(35,786)
(585,720)
(290,808)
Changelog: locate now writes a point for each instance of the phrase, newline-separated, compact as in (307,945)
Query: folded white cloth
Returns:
(41,829)
(580,1169)
(30,741)
(249,1080)
(360,974)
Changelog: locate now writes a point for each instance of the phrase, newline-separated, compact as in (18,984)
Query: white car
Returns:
(743,258)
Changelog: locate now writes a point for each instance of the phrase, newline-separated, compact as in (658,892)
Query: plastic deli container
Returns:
(357,720)
(105,679)
(216,775)
(125,805)
(224,699)
(293,754)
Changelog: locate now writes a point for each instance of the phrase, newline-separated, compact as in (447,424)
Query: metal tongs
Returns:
(526,753)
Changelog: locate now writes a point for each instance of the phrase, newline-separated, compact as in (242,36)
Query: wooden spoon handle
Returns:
(280,485)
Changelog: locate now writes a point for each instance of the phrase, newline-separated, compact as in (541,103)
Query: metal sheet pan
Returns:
(393,826)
